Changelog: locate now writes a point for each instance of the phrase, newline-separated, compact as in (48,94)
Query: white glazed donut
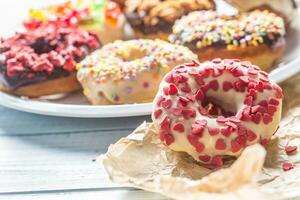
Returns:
(129,71)
(216,109)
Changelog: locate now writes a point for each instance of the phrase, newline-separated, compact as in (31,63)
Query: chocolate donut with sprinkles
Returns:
(257,36)
(216,109)
(127,72)
(42,61)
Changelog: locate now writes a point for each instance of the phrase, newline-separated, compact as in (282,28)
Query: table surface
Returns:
(50,157)
(54,158)
(43,157)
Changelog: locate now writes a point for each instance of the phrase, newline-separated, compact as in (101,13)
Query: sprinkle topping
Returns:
(123,60)
(206,28)
(226,109)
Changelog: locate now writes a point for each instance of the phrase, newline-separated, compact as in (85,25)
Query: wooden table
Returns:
(45,157)
(54,158)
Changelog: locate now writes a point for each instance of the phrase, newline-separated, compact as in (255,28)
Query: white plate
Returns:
(75,105)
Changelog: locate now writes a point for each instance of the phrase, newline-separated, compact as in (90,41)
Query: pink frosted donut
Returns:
(216,109)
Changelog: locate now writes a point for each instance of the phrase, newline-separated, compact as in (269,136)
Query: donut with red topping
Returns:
(216,109)
(42,61)
(257,36)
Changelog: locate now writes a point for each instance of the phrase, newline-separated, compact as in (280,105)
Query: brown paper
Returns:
(141,160)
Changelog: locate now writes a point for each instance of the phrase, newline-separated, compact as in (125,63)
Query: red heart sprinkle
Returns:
(221,119)
(166,104)
(225,131)
(165,124)
(185,88)
(263,103)
(169,139)
(272,109)
(248,101)
(290,149)
(157,113)
(267,118)
(251,136)
(193,139)
(242,140)
(166,91)
(178,127)
(264,142)
(172,89)
(220,144)
(204,158)
(169,78)
(199,147)
(217,160)
(227,86)
(197,130)
(213,131)
(159,100)
(188,113)
(273,101)
(214,85)
(199,94)
(256,118)
(286,166)
(235,146)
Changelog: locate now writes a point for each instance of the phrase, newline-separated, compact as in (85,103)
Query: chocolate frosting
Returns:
(46,53)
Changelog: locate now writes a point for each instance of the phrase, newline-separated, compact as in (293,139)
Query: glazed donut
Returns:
(153,19)
(42,61)
(127,72)
(225,106)
(103,17)
(287,9)
(257,36)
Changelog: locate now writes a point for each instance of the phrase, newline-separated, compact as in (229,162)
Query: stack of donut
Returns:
(210,109)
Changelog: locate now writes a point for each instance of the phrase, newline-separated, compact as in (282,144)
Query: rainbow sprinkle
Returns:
(206,28)
(123,60)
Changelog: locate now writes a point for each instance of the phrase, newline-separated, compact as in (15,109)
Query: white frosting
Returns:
(230,100)
(129,71)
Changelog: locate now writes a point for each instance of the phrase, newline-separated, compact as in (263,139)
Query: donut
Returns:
(215,109)
(257,36)
(153,19)
(103,17)
(42,61)
(287,9)
(126,72)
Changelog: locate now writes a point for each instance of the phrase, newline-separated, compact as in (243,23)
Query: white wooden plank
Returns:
(90,195)
(54,162)
(19,123)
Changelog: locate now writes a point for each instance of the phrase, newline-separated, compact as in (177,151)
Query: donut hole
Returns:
(216,108)
(134,54)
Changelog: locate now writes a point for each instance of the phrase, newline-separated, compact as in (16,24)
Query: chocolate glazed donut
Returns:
(42,61)
(153,19)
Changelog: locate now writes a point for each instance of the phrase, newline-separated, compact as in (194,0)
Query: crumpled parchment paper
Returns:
(141,160)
